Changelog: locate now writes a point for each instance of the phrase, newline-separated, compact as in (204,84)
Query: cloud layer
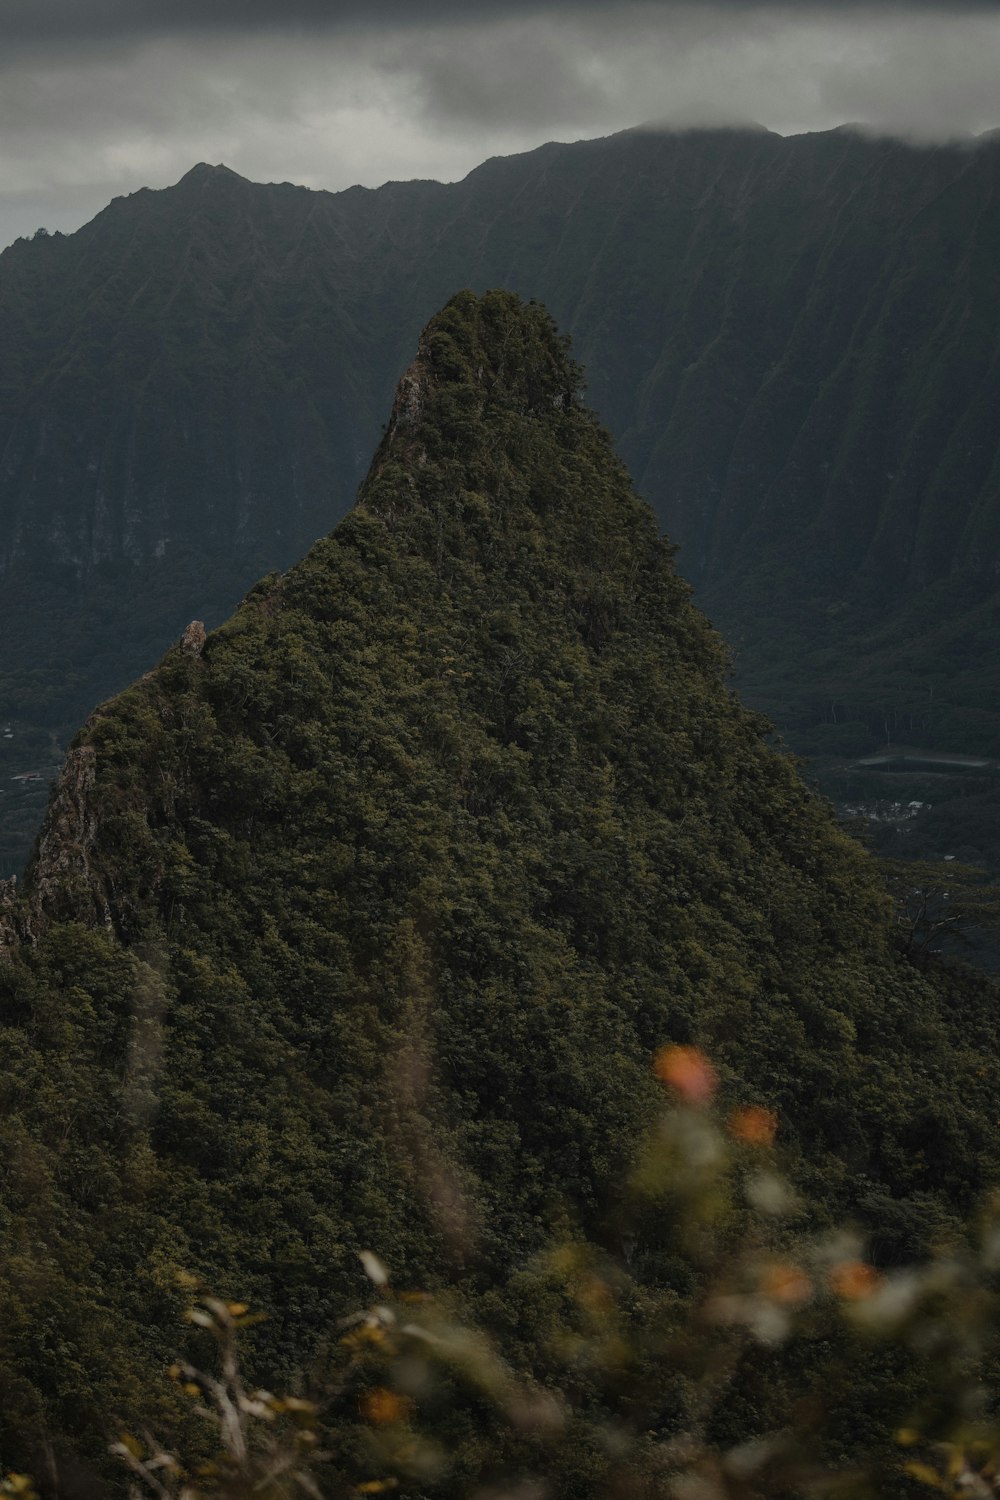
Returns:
(51,19)
(99,97)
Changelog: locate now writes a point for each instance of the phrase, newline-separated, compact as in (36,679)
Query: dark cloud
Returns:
(99,97)
(48,21)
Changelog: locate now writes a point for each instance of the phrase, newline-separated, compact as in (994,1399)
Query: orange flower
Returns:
(687,1071)
(382,1407)
(787,1284)
(755,1126)
(854,1280)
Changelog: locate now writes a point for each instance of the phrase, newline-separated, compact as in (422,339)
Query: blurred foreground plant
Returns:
(643,1373)
(632,1390)
(267,1445)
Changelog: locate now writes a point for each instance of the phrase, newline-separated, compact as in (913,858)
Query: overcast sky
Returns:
(101,97)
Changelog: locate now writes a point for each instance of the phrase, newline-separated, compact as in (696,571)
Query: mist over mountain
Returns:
(794,342)
(357,923)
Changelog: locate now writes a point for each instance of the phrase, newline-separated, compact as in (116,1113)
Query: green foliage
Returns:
(362,925)
(615,1387)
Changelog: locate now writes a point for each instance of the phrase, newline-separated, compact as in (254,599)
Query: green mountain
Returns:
(793,341)
(356,924)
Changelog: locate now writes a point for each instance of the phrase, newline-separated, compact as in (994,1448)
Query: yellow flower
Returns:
(381,1406)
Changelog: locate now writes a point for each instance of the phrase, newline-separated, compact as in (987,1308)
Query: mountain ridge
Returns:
(188,398)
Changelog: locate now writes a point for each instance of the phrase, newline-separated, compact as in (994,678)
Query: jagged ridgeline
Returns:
(356,924)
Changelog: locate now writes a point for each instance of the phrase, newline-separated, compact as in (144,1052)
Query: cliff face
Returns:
(356,924)
(781,332)
(794,342)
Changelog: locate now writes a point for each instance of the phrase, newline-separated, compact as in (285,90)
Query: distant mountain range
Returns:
(794,341)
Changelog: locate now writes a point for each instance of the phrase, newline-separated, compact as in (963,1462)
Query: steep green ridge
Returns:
(356,924)
(793,340)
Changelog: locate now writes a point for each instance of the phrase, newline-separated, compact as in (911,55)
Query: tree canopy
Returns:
(359,923)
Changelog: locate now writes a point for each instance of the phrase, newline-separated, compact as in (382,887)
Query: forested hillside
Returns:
(358,923)
(793,340)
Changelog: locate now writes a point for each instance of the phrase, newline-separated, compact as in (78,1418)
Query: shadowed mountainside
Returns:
(794,342)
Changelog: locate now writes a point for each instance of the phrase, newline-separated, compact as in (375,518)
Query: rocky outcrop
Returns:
(64,882)
(10,929)
(193,639)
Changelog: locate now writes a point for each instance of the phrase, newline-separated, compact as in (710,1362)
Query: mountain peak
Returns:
(671,125)
(478,355)
(204,172)
(501,346)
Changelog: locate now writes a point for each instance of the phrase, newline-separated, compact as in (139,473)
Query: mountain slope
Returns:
(357,923)
(794,342)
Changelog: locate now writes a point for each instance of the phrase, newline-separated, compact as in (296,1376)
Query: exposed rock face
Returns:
(10,934)
(63,882)
(193,639)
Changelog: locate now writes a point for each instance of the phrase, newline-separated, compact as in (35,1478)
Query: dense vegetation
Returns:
(359,924)
(793,340)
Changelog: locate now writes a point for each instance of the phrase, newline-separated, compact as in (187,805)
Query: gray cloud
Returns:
(931,74)
(343,93)
(44,23)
